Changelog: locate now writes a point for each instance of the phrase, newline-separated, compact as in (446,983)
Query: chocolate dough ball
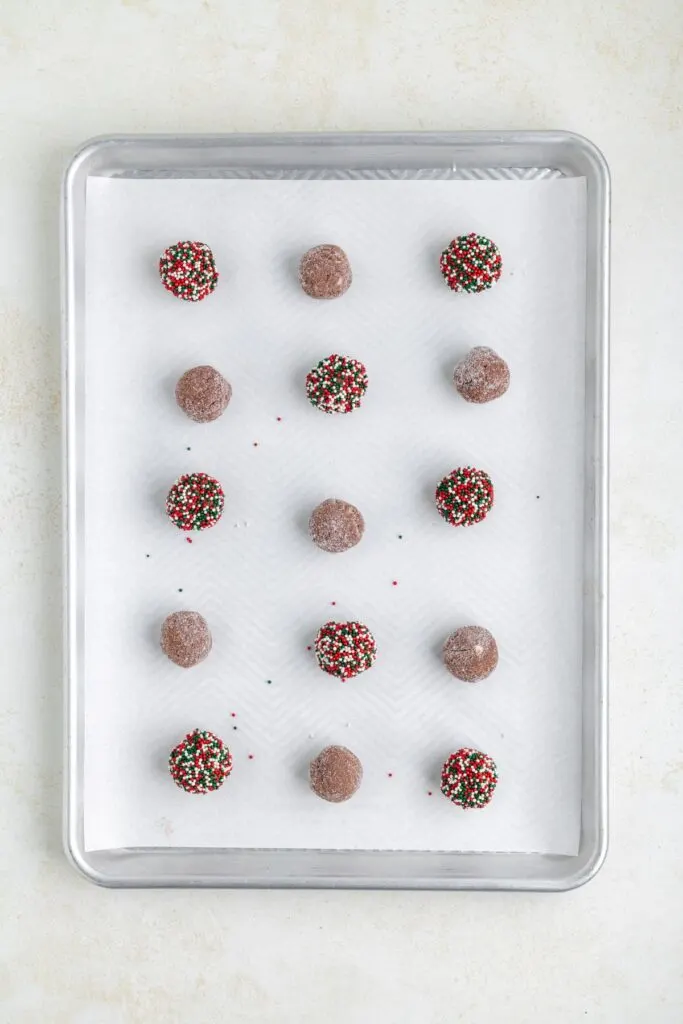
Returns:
(325,272)
(335,774)
(470,654)
(203,393)
(482,375)
(336,525)
(186,638)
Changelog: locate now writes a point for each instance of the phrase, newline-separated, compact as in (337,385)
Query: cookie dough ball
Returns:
(470,654)
(336,525)
(471,263)
(469,778)
(195,502)
(203,394)
(345,649)
(188,270)
(201,763)
(186,638)
(482,375)
(325,272)
(465,496)
(335,774)
(337,384)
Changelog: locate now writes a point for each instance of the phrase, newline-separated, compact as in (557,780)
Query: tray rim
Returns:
(585,865)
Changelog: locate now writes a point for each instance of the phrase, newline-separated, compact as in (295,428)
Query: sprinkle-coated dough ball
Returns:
(200,763)
(337,384)
(482,375)
(345,649)
(188,270)
(471,263)
(335,774)
(471,653)
(195,502)
(203,393)
(465,496)
(336,525)
(186,638)
(325,272)
(469,778)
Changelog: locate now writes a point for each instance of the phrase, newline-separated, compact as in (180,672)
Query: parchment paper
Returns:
(257,578)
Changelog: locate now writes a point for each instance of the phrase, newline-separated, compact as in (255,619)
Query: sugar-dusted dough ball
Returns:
(482,375)
(325,272)
(335,774)
(203,393)
(336,525)
(471,653)
(186,638)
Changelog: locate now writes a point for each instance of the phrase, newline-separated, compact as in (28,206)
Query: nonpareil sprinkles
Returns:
(337,384)
(471,263)
(469,778)
(188,270)
(195,502)
(465,496)
(345,649)
(201,763)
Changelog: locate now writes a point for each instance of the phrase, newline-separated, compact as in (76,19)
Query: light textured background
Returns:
(71,954)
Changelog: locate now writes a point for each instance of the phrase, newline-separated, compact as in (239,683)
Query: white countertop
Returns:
(610,952)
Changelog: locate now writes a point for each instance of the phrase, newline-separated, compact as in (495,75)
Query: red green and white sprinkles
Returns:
(188,270)
(337,384)
(345,649)
(465,496)
(471,263)
(195,502)
(201,763)
(468,778)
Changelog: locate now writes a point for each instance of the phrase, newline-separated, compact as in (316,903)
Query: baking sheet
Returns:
(257,578)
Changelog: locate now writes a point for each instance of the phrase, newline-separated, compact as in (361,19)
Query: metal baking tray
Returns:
(469,155)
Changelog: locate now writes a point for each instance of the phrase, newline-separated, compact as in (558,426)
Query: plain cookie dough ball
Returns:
(336,525)
(482,375)
(469,778)
(325,272)
(203,394)
(200,763)
(186,638)
(335,774)
(470,654)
